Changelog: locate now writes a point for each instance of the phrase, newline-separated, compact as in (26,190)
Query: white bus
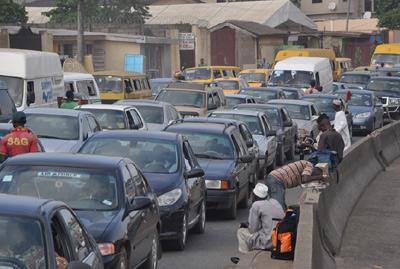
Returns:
(33,78)
(83,85)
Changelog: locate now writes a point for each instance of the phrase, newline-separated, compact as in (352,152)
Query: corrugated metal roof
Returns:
(253,28)
(355,25)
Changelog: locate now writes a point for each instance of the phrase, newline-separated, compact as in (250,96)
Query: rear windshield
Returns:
(151,114)
(109,83)
(182,98)
(53,126)
(354,79)
(228,85)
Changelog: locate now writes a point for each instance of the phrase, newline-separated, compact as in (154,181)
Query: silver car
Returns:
(61,130)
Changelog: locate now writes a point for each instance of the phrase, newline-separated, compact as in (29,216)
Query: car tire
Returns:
(290,154)
(123,260)
(200,227)
(180,242)
(152,258)
(280,156)
(231,213)
(244,203)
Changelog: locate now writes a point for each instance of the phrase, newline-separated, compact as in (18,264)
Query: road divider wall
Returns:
(324,214)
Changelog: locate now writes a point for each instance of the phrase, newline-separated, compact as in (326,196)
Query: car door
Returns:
(242,170)
(289,131)
(272,141)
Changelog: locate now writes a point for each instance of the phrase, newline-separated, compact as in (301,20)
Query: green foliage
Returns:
(389,14)
(11,12)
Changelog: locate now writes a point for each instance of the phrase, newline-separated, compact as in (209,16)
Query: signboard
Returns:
(186,41)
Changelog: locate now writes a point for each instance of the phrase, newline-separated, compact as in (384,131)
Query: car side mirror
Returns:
(195,172)
(30,97)
(271,133)
(139,202)
(246,159)
(78,265)
(287,124)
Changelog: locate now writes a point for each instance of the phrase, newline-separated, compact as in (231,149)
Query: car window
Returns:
(244,130)
(86,88)
(189,162)
(85,128)
(174,113)
(314,111)
(266,123)
(217,74)
(151,114)
(69,86)
(136,118)
(237,141)
(216,98)
(61,238)
(210,100)
(93,124)
(81,245)
(140,186)
(129,183)
(6,103)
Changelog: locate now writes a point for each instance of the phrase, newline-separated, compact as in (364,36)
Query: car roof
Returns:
(55,111)
(320,95)
(6,126)
(215,128)
(262,89)
(66,160)
(162,79)
(104,107)
(238,112)
(117,73)
(385,78)
(138,134)
(290,102)
(354,91)
(70,76)
(260,106)
(214,120)
(238,96)
(357,73)
(133,102)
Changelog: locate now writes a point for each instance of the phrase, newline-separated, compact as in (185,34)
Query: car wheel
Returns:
(152,258)
(291,152)
(123,260)
(180,242)
(231,213)
(201,224)
(280,156)
(244,203)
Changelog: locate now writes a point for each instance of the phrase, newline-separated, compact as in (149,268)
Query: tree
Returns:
(388,12)
(11,12)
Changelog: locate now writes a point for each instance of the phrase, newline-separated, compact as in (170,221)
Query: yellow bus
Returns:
(208,74)
(231,85)
(342,65)
(255,77)
(387,55)
(118,85)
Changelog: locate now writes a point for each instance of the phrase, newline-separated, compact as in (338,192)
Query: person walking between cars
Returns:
(69,103)
(340,123)
(257,233)
(21,140)
(312,89)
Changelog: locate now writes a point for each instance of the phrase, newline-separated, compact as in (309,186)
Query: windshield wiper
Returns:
(49,136)
(206,156)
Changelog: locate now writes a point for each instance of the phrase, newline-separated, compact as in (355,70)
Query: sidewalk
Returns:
(371,239)
(260,260)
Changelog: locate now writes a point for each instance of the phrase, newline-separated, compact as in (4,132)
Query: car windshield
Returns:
(253,77)
(210,146)
(15,87)
(323,104)
(253,122)
(156,85)
(298,112)
(109,84)
(260,95)
(384,85)
(151,114)
(182,98)
(354,79)
(22,241)
(291,77)
(228,85)
(151,155)
(199,73)
(233,101)
(291,94)
(80,188)
(359,99)
(391,59)
(109,119)
(53,126)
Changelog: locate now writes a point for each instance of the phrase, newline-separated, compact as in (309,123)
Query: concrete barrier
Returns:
(324,216)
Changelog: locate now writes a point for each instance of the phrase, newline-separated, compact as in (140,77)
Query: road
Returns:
(213,249)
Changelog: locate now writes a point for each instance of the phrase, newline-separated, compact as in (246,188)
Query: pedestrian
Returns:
(329,139)
(21,140)
(257,233)
(69,103)
(312,89)
(291,176)
(340,123)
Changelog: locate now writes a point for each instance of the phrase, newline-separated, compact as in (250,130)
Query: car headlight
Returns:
(106,248)
(393,101)
(217,184)
(169,198)
(363,115)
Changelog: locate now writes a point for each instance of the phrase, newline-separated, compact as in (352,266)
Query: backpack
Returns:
(284,235)
(325,156)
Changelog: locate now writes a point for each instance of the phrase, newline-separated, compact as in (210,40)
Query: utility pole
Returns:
(348,15)
(80,39)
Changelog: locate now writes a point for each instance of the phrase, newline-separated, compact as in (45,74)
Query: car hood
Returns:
(216,169)
(58,145)
(304,124)
(387,93)
(155,126)
(359,109)
(162,183)
(96,222)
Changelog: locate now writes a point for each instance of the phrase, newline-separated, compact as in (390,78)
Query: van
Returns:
(208,74)
(299,71)
(119,85)
(342,65)
(7,107)
(33,78)
(83,85)
(321,53)
(386,54)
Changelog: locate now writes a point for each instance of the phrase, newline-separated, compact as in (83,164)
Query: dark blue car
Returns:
(168,162)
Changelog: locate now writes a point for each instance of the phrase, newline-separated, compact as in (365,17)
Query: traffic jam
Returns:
(112,169)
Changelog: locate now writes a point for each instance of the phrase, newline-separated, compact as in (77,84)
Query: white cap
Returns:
(336,102)
(261,190)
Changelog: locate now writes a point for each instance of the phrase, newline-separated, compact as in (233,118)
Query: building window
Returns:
(316,1)
(68,50)
(89,49)
(370,5)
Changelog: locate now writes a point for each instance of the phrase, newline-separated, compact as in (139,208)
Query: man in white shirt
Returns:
(340,123)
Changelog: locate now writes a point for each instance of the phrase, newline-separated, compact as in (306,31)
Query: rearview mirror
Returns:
(287,124)
(195,172)
(245,159)
(140,202)
(271,133)
(78,265)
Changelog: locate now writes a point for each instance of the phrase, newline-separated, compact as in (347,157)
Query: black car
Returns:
(168,162)
(224,157)
(7,106)
(36,231)
(110,195)
(264,94)
(281,122)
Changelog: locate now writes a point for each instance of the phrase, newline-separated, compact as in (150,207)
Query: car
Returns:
(168,163)
(236,99)
(191,99)
(355,78)
(156,84)
(231,85)
(6,128)
(292,93)
(366,109)
(251,144)
(389,72)
(282,123)
(36,231)
(112,117)
(387,89)
(7,105)
(223,155)
(264,94)
(109,194)
(324,104)
(156,114)
(304,113)
(262,132)
(61,130)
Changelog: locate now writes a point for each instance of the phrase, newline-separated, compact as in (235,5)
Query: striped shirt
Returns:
(291,175)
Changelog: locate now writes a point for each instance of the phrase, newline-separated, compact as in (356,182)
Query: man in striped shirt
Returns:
(290,176)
